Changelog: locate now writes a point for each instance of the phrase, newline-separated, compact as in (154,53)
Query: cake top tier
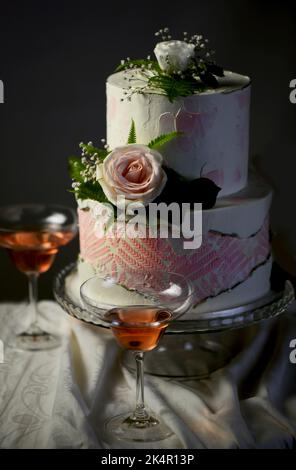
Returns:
(230,82)
(213,126)
(180,68)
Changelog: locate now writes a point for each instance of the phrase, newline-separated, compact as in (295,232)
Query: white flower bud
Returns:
(174,55)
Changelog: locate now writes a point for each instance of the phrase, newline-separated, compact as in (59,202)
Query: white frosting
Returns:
(98,290)
(107,292)
(215,124)
(242,213)
(253,288)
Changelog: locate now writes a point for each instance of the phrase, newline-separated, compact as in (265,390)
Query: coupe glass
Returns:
(32,235)
(138,309)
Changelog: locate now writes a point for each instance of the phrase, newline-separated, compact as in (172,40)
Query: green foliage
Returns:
(139,63)
(91,150)
(174,87)
(86,189)
(163,139)
(209,79)
(91,190)
(75,167)
(201,74)
(132,137)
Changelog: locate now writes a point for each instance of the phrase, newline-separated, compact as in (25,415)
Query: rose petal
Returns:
(133,171)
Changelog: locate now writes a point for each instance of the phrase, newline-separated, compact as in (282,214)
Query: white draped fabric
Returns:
(61,398)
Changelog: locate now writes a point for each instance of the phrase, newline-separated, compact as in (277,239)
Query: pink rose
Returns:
(133,171)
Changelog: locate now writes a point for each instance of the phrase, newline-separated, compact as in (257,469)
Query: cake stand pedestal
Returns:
(192,348)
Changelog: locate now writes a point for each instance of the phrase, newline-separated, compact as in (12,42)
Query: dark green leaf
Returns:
(86,190)
(174,86)
(208,79)
(75,166)
(215,69)
(91,190)
(178,189)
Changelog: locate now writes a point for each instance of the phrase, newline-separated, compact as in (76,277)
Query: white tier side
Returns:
(253,288)
(215,124)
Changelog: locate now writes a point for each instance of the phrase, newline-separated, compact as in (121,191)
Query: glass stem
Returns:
(33,298)
(140,412)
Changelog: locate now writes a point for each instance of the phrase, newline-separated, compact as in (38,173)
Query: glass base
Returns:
(34,341)
(127,428)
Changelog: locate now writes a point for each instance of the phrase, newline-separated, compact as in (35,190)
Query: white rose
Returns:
(133,171)
(174,56)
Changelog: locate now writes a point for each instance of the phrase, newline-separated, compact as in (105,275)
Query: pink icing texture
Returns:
(221,262)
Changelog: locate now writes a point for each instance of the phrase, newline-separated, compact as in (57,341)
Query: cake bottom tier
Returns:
(231,267)
(253,288)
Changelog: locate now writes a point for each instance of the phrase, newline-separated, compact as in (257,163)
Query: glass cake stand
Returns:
(191,348)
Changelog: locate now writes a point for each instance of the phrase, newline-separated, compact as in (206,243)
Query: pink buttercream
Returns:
(220,263)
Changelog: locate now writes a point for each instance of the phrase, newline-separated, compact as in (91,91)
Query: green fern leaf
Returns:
(76,166)
(163,139)
(91,190)
(173,87)
(132,138)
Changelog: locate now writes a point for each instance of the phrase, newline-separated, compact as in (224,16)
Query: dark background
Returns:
(54,60)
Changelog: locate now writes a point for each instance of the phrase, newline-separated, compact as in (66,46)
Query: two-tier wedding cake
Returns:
(177,131)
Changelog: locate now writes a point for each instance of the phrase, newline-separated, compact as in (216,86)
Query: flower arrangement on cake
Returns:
(177,132)
(183,67)
(137,173)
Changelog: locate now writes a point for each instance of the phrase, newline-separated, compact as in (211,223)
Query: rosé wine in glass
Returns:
(138,328)
(146,303)
(34,251)
(32,235)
